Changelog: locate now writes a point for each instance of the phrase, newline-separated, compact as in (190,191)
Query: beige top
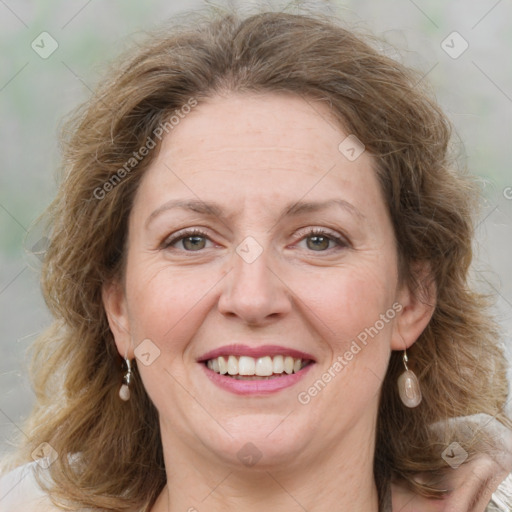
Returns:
(19,491)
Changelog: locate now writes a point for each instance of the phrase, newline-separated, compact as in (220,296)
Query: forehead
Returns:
(258,146)
(256,126)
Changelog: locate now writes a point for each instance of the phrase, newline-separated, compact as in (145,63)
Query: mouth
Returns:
(255,370)
(261,368)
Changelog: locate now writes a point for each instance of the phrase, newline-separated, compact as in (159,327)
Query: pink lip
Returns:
(261,351)
(255,387)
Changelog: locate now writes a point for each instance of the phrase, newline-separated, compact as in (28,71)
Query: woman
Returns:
(258,271)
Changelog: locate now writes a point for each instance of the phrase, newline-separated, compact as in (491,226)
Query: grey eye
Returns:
(318,242)
(194,243)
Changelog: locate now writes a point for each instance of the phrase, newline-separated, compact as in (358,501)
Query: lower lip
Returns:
(255,387)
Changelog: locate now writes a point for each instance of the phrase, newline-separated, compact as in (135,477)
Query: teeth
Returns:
(288,364)
(232,365)
(264,366)
(278,364)
(246,367)
(223,365)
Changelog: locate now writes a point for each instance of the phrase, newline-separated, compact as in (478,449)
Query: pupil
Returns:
(193,242)
(318,242)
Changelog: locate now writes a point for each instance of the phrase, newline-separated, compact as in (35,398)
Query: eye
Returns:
(321,240)
(192,240)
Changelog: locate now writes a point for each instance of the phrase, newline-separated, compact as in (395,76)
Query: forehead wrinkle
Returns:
(212,209)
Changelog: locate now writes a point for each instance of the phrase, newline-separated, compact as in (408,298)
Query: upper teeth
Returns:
(261,366)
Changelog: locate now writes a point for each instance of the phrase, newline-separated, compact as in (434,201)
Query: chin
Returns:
(258,444)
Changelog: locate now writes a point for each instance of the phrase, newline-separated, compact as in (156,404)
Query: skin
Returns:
(254,155)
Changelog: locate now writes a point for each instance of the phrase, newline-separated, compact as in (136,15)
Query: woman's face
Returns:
(255,238)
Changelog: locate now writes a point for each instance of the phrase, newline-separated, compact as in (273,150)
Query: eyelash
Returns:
(342,242)
(181,235)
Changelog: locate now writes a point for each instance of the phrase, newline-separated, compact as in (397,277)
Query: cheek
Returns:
(349,300)
(356,317)
(166,305)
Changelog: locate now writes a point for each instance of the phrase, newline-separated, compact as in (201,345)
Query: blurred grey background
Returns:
(53,53)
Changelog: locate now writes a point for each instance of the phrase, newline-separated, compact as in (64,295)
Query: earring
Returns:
(124,392)
(409,386)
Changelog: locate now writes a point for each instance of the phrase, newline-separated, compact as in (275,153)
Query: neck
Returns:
(339,479)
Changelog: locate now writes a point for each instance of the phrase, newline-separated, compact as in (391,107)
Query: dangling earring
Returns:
(409,386)
(124,392)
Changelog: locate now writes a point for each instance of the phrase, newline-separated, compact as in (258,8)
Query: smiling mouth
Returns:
(260,368)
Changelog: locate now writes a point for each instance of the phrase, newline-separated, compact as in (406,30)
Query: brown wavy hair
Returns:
(76,368)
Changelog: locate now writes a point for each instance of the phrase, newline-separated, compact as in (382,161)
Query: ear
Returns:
(418,301)
(114,302)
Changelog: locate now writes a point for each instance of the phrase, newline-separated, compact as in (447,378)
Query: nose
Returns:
(253,291)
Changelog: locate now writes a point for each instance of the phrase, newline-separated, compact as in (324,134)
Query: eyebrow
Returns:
(212,209)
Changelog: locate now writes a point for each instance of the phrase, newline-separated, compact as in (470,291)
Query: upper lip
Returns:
(260,351)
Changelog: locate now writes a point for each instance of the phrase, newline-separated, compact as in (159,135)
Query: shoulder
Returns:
(483,482)
(19,490)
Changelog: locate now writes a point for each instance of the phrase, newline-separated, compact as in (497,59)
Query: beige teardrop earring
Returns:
(409,386)
(124,392)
